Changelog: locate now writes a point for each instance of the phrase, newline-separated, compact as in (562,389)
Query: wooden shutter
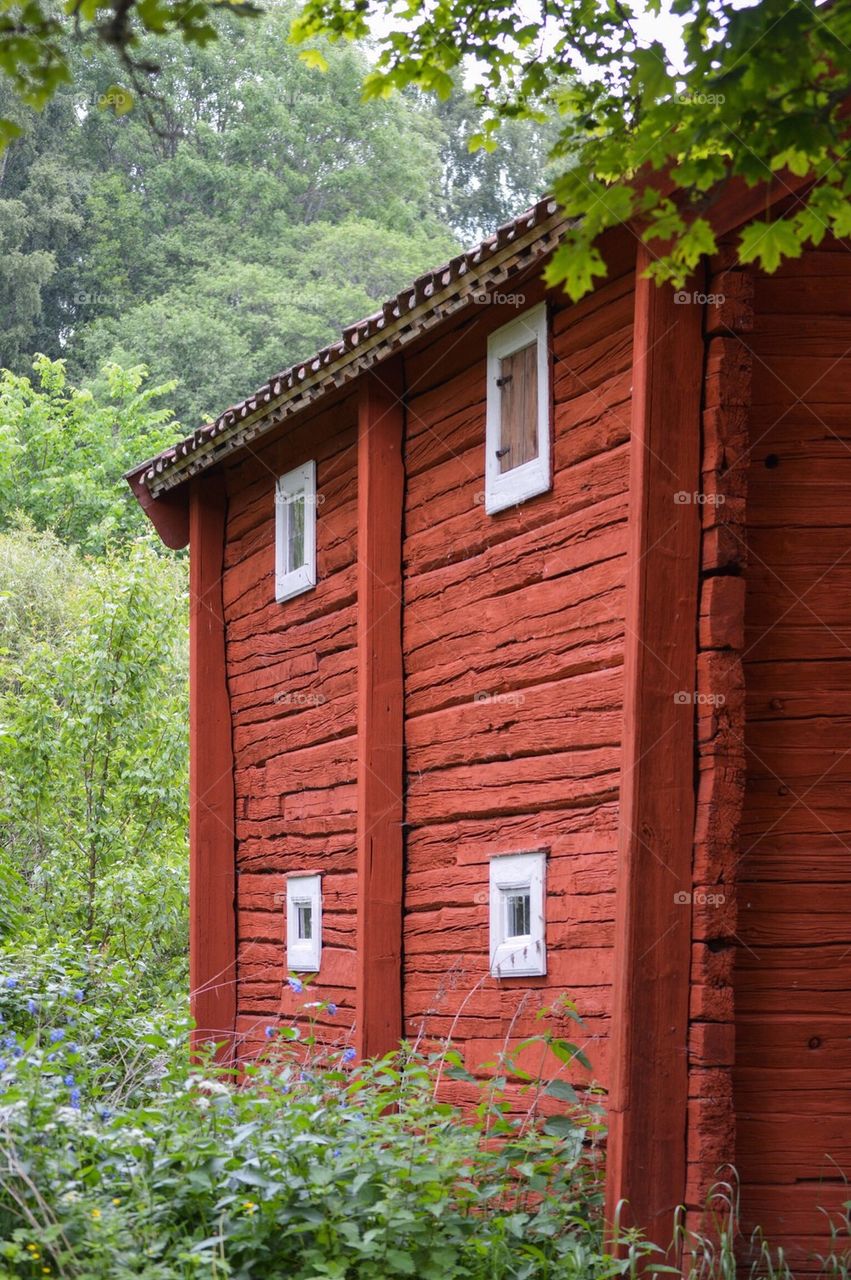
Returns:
(518,384)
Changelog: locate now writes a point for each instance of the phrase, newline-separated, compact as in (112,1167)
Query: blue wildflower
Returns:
(269,1032)
(51,1057)
(78,996)
(296,985)
(69,1080)
(105,1113)
(2,1064)
(75,1099)
(10,1041)
(332,1009)
(17,1053)
(349,1054)
(11,982)
(32,1007)
(56,1035)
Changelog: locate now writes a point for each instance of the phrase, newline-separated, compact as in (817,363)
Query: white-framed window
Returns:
(304,923)
(295,532)
(517,431)
(517,925)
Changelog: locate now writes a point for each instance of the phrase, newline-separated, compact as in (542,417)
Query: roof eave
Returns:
(308,381)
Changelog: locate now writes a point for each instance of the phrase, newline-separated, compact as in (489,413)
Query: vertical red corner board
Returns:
(381,484)
(649,1084)
(212,922)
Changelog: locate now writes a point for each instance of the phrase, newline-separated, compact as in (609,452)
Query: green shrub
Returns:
(94,744)
(120,1158)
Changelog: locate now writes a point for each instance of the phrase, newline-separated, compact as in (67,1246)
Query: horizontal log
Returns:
(556,780)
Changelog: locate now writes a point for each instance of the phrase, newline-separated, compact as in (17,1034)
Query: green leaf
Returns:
(769,242)
(562,1090)
(576,266)
(314,59)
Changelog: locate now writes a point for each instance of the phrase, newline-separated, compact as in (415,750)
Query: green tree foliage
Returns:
(23,274)
(484,188)
(266,206)
(63,450)
(38,40)
(93,746)
(759,91)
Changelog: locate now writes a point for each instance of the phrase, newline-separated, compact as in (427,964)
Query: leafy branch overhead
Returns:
(37,38)
(651,133)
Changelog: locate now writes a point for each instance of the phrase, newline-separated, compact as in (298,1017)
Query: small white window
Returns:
(295,532)
(517,933)
(517,434)
(304,923)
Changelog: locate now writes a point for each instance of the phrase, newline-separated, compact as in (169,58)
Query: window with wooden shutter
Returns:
(517,463)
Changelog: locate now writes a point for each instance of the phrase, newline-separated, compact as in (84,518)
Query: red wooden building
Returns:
(520,665)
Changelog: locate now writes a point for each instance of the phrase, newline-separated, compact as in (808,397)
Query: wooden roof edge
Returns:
(361,345)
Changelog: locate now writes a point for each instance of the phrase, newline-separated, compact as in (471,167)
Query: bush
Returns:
(121,1158)
(93,745)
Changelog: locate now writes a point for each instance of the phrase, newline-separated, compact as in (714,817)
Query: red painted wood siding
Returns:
(292,675)
(793,1009)
(513,640)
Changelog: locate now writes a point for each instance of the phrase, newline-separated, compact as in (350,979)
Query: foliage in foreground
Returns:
(757,92)
(93,748)
(120,1158)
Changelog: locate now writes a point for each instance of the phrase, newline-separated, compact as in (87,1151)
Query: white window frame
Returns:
(508,488)
(293,582)
(304,955)
(526,955)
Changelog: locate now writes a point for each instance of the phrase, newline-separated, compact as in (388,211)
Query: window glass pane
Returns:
(518,387)
(304,921)
(518,913)
(295,532)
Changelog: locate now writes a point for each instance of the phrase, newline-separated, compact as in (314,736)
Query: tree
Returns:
(23,273)
(760,93)
(269,207)
(94,744)
(63,451)
(38,41)
(484,188)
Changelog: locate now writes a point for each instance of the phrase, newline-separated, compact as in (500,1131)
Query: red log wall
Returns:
(292,674)
(793,975)
(513,640)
